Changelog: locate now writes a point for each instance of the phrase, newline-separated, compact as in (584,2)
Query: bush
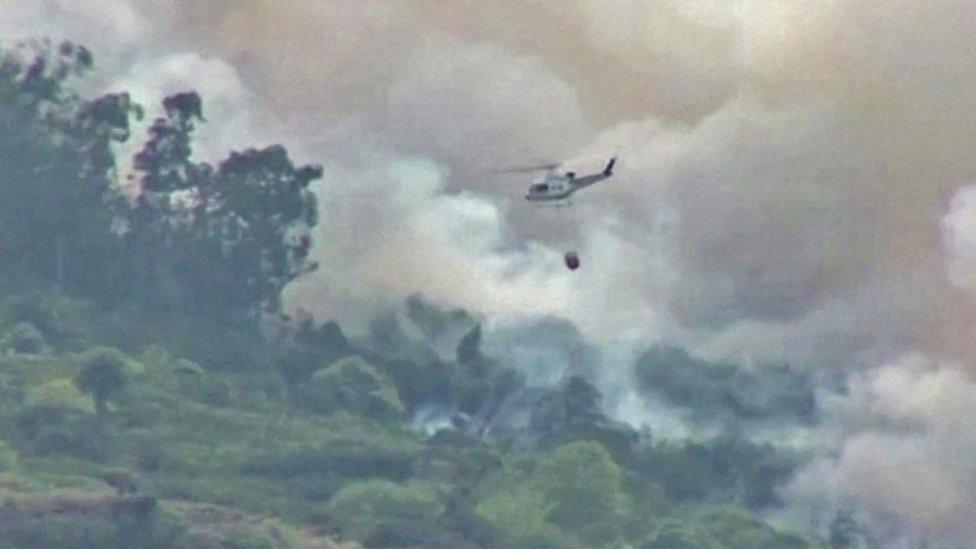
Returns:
(104,372)
(8,457)
(57,317)
(145,449)
(64,431)
(24,338)
(422,383)
(382,513)
(59,393)
(57,531)
(95,528)
(673,534)
(517,516)
(353,458)
(583,490)
(354,385)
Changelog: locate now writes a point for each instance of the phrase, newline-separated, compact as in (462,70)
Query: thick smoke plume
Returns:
(793,186)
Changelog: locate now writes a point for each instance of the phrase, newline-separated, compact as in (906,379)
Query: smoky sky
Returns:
(793,184)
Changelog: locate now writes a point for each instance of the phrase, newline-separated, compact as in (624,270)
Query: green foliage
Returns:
(145,450)
(243,234)
(53,532)
(728,466)
(60,320)
(59,393)
(8,457)
(104,372)
(57,158)
(309,347)
(845,532)
(571,412)
(673,534)
(87,522)
(717,529)
(351,457)
(479,384)
(383,513)
(238,451)
(64,431)
(573,498)
(422,383)
(517,515)
(583,489)
(23,338)
(354,385)
(723,388)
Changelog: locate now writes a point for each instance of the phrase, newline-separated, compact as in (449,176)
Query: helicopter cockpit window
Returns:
(540,188)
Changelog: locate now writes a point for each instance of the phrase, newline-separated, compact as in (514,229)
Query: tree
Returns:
(58,169)
(233,236)
(103,375)
(169,206)
(480,384)
(583,486)
(845,531)
(381,513)
(354,385)
(266,212)
(575,402)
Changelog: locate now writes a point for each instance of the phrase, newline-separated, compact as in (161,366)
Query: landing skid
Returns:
(553,203)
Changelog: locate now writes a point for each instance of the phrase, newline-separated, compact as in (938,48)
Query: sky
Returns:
(796,183)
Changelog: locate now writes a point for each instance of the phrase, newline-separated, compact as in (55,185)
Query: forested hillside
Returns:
(155,393)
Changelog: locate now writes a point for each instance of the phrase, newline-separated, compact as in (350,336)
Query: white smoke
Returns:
(959,233)
(903,451)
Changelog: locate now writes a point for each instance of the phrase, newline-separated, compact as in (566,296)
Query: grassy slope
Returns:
(228,459)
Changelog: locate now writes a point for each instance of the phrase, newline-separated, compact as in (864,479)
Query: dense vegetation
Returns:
(145,403)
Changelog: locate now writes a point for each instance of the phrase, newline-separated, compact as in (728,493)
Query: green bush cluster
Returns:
(23,338)
(8,457)
(356,386)
(381,513)
(104,372)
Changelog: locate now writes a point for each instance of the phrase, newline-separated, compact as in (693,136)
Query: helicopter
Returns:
(558,186)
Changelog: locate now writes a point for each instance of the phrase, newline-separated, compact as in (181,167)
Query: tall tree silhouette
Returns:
(233,236)
(58,170)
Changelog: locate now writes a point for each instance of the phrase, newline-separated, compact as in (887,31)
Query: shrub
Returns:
(64,431)
(59,393)
(56,531)
(584,485)
(353,458)
(674,534)
(8,457)
(517,516)
(59,318)
(382,513)
(24,338)
(104,372)
(145,449)
(354,385)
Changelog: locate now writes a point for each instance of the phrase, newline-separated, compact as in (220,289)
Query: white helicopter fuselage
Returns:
(560,186)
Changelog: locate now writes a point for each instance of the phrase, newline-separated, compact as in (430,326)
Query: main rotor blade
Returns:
(524,169)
